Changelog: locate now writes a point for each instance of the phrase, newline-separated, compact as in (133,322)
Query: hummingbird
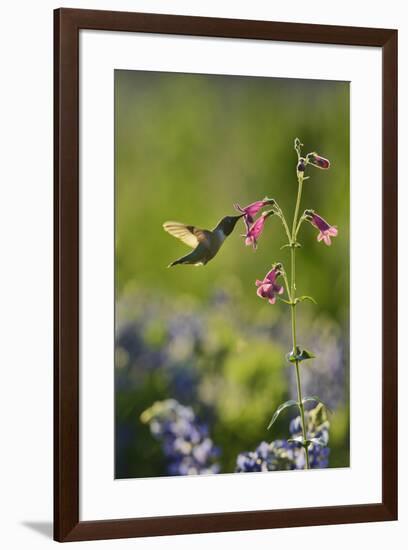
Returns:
(206,243)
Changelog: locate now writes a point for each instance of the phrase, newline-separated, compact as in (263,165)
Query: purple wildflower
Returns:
(325,229)
(268,288)
(252,210)
(185,441)
(278,455)
(289,455)
(255,230)
(317,427)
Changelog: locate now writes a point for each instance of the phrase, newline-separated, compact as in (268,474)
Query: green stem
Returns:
(283,220)
(293,314)
(302,416)
(288,291)
(302,219)
(299,197)
(298,384)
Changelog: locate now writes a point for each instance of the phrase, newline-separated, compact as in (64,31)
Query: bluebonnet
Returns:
(161,345)
(289,455)
(167,347)
(317,426)
(185,441)
(155,335)
(327,374)
(278,455)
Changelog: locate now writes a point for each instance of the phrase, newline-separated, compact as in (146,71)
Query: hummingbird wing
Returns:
(189,234)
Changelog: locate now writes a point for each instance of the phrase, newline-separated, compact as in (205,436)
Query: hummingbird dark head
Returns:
(228,223)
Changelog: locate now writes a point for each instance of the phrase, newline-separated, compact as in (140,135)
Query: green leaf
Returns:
(281,408)
(303,298)
(291,357)
(306,355)
(300,355)
(316,399)
(284,301)
(294,245)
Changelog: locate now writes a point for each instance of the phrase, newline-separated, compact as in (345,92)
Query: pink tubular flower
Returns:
(268,288)
(318,161)
(255,230)
(325,230)
(252,210)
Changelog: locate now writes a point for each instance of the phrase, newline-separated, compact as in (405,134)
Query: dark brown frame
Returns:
(67,23)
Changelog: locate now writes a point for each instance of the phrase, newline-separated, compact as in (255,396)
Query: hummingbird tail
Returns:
(189,259)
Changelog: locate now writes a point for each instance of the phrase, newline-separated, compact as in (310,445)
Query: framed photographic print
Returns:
(225,274)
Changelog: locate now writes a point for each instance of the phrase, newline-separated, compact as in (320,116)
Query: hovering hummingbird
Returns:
(206,243)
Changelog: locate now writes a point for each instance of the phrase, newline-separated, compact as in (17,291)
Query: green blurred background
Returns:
(186,148)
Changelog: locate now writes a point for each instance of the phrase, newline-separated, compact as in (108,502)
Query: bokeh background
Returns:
(186,148)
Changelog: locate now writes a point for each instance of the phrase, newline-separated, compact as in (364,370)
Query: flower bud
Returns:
(298,146)
(318,161)
(301,165)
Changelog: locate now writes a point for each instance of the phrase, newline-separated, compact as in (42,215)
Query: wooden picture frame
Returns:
(67,24)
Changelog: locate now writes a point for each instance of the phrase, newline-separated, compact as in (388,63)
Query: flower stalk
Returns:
(293,312)
(269,289)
